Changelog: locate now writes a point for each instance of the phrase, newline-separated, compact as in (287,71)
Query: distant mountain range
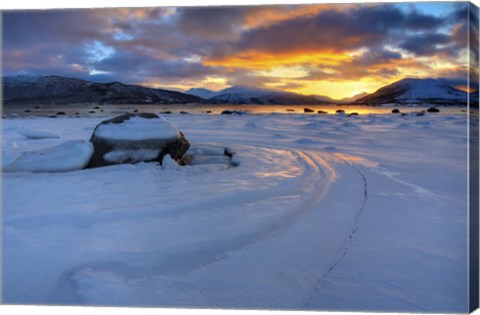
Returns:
(251,95)
(404,92)
(55,90)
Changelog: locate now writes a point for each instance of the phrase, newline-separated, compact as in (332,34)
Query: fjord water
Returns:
(102,110)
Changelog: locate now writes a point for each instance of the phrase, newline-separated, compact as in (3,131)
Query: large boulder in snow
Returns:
(132,138)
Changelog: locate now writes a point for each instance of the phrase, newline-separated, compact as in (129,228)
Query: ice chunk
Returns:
(169,163)
(68,156)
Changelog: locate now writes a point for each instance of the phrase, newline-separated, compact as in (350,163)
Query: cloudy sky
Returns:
(336,50)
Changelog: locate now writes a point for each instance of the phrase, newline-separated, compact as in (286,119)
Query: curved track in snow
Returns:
(311,186)
(323,212)
(271,204)
(344,249)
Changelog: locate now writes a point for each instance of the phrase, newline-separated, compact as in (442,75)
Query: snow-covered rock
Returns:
(132,138)
(68,156)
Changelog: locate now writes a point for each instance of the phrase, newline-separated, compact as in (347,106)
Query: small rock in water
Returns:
(308,110)
(290,110)
(60,113)
(353,114)
(228,152)
(135,110)
(183,112)
(340,111)
(91,112)
(96,107)
(395,111)
(28,111)
(52,116)
(322,112)
(208,112)
(433,110)
(166,112)
(230,112)
(36,107)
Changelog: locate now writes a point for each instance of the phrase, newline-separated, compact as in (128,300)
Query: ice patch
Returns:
(313,125)
(36,134)
(68,156)
(330,149)
(350,125)
(250,124)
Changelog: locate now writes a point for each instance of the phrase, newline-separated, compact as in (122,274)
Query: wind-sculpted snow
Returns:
(68,156)
(317,212)
(36,134)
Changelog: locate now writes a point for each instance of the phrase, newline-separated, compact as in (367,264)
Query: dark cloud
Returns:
(135,68)
(371,63)
(339,31)
(211,23)
(417,21)
(425,44)
(23,28)
(374,57)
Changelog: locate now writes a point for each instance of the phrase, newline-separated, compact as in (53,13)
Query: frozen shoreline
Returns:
(328,212)
(106,110)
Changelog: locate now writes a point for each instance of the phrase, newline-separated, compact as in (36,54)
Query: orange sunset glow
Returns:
(335,50)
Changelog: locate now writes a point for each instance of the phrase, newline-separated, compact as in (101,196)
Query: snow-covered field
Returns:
(322,212)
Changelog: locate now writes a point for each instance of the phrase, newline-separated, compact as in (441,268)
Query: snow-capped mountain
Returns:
(353,98)
(53,89)
(252,95)
(322,99)
(201,92)
(415,92)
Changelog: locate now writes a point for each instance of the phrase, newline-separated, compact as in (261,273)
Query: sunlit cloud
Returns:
(331,49)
